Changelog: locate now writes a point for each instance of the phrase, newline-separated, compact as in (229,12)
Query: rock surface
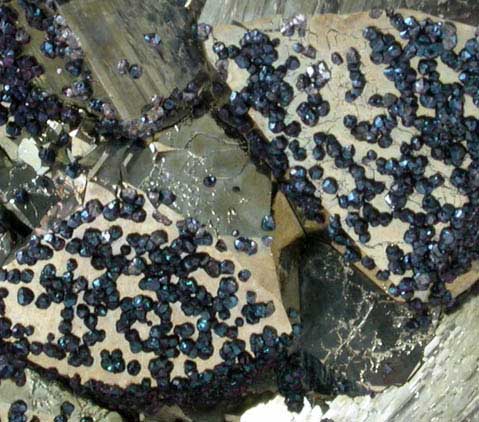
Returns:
(40,198)
(444,389)
(333,33)
(263,282)
(396,400)
(189,153)
(114,30)
(44,399)
(228,11)
(351,325)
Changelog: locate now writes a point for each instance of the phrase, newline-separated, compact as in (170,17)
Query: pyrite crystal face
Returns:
(351,325)
(173,63)
(47,400)
(189,156)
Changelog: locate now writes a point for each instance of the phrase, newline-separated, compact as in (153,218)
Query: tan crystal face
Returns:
(335,33)
(45,321)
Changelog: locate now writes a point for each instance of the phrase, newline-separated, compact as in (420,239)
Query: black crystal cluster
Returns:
(66,410)
(437,257)
(134,71)
(18,412)
(447,135)
(358,79)
(25,107)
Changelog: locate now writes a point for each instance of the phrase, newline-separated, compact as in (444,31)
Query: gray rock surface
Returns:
(227,11)
(192,151)
(351,325)
(445,388)
(6,243)
(40,199)
(44,399)
(113,30)
(5,167)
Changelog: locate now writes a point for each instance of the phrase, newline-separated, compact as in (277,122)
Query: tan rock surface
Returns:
(336,33)
(263,282)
